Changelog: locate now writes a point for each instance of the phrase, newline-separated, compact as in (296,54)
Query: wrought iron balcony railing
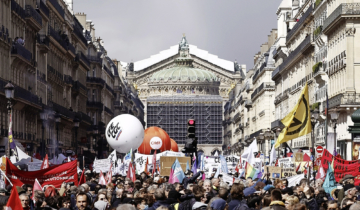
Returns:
(32,13)
(42,39)
(68,80)
(57,6)
(95,59)
(71,48)
(343,9)
(17,9)
(43,8)
(108,71)
(298,25)
(57,37)
(95,104)
(81,57)
(108,110)
(96,80)
(18,49)
(110,89)
(63,110)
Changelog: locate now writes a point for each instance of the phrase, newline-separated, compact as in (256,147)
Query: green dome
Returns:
(183,73)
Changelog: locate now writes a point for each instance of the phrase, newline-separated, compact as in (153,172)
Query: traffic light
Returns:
(191,128)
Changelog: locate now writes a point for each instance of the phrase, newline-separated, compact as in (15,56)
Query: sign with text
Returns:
(34,166)
(288,172)
(102,164)
(166,162)
(286,162)
(275,172)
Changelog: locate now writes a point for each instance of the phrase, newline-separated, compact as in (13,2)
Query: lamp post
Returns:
(278,131)
(76,126)
(57,120)
(9,94)
(43,117)
(314,119)
(261,138)
(268,135)
(334,117)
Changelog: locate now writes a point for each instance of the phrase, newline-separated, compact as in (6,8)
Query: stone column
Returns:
(350,85)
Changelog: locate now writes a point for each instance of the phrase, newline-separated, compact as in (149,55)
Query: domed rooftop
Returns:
(183,71)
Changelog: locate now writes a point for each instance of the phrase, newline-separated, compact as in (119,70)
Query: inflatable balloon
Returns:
(174,146)
(124,132)
(155,138)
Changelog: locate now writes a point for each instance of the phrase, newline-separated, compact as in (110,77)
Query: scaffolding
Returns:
(171,113)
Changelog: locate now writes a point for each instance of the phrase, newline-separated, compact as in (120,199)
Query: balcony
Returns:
(56,36)
(236,118)
(303,46)
(65,112)
(41,77)
(95,59)
(57,7)
(108,71)
(54,74)
(110,90)
(276,124)
(108,110)
(33,17)
(264,86)
(343,10)
(43,8)
(249,87)
(95,80)
(81,57)
(320,94)
(343,99)
(43,42)
(68,80)
(300,23)
(248,104)
(77,87)
(94,104)
(84,118)
(258,72)
(78,31)
(71,49)
(15,7)
(23,94)
(22,52)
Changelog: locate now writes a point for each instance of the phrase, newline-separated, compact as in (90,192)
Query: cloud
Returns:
(135,30)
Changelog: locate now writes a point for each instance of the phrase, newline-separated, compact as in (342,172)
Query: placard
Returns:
(286,162)
(166,162)
(34,166)
(228,179)
(299,157)
(288,172)
(275,172)
(102,164)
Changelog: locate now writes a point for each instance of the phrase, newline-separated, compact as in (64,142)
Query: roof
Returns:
(174,50)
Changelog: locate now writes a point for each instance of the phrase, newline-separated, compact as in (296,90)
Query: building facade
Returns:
(66,86)
(184,83)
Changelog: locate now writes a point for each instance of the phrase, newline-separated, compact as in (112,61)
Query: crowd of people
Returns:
(194,193)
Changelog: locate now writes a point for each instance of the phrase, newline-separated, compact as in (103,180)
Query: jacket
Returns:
(192,179)
(157,204)
(311,204)
(277,205)
(233,203)
(242,206)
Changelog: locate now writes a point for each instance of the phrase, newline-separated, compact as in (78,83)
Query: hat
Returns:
(268,187)
(218,204)
(2,190)
(248,191)
(346,177)
(20,190)
(189,172)
(92,187)
(348,187)
(287,190)
(174,194)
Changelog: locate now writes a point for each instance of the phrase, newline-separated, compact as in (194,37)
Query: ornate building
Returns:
(185,82)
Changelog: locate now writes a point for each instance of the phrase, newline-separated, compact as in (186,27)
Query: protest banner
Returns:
(227,178)
(286,162)
(288,172)
(166,162)
(34,166)
(102,164)
(54,175)
(275,172)
(214,162)
(294,180)
(258,164)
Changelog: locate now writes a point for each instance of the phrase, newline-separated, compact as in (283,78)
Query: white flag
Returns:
(272,156)
(253,147)
(102,180)
(250,158)
(113,160)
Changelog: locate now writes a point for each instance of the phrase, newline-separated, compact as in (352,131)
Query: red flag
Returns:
(298,167)
(82,178)
(236,169)
(277,162)
(101,179)
(240,165)
(14,202)
(109,175)
(146,166)
(37,186)
(320,173)
(131,173)
(154,163)
(45,163)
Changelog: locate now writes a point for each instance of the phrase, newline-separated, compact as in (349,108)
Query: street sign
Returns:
(319,149)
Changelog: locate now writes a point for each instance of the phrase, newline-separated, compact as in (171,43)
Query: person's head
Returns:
(355,206)
(199,193)
(28,189)
(190,186)
(143,175)
(140,203)
(102,197)
(81,201)
(168,187)
(249,182)
(266,200)
(254,202)
(299,207)
(86,187)
(146,183)
(223,193)
(347,202)
(50,191)
(151,190)
(215,182)
(351,192)
(332,205)
(159,194)
(319,183)
(276,195)
(64,202)
(303,183)
(278,184)
(24,198)
(125,207)
(207,185)
(285,182)
(128,184)
(291,201)
(119,193)
(189,173)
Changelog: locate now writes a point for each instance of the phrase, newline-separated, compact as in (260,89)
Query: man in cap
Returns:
(347,179)
(350,193)
(190,178)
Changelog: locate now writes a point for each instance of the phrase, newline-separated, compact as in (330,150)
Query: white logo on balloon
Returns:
(155,142)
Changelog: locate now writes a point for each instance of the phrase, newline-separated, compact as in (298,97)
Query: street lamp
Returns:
(278,131)
(314,120)
(261,140)
(76,126)
(57,120)
(268,135)
(334,117)
(43,117)
(9,94)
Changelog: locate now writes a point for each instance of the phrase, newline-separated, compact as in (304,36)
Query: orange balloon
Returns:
(155,138)
(174,146)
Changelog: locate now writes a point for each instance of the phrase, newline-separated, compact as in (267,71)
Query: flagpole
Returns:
(6,178)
